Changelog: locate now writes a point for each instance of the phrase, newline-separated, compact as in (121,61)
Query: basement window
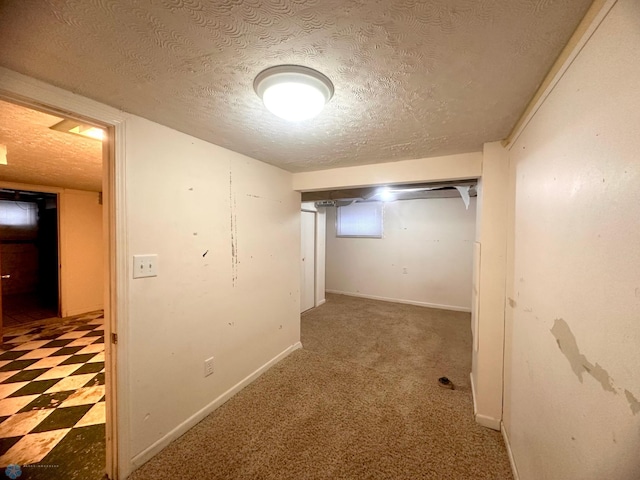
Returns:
(18,214)
(359,220)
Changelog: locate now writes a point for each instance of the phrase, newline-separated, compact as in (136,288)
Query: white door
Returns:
(308,261)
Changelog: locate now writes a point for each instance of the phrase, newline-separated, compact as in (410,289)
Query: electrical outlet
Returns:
(145,266)
(208,367)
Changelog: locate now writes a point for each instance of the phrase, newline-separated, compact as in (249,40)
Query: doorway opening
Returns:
(55,368)
(399,275)
(29,256)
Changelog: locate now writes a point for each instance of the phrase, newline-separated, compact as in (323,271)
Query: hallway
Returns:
(321,413)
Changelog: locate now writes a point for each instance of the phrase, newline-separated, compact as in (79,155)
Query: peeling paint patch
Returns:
(254,196)
(634,404)
(512,303)
(579,363)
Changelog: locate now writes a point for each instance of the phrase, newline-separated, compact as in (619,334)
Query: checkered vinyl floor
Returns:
(52,405)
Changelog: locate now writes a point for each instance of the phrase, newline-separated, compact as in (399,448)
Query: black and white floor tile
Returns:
(52,401)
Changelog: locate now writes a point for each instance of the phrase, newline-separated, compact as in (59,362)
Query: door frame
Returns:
(31,93)
(315,260)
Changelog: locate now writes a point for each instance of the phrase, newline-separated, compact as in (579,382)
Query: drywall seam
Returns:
(407,302)
(593,18)
(507,444)
(152,450)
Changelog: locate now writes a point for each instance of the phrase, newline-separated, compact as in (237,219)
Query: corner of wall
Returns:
(491,234)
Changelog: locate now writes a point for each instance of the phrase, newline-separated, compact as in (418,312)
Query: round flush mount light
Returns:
(293,92)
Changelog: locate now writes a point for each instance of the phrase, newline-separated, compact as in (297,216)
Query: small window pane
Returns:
(360,220)
(18,214)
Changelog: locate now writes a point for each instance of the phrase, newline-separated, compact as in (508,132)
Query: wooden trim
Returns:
(588,25)
(31,188)
(62,256)
(109,265)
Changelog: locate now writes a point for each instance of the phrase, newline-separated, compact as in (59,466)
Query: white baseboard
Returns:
(484,420)
(473,394)
(489,422)
(399,300)
(324,300)
(514,469)
(154,449)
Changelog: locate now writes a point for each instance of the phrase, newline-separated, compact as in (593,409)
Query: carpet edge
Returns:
(416,303)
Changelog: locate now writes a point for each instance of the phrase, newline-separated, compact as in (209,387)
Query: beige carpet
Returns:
(325,414)
(421,344)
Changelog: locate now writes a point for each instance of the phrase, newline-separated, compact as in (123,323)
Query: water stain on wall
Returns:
(634,403)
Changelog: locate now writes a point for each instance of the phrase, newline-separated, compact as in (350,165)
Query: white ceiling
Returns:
(412,78)
(38,155)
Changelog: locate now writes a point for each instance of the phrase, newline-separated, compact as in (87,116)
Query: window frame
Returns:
(380,204)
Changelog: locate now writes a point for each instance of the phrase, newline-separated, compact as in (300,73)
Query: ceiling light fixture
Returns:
(293,92)
(77,128)
(386,194)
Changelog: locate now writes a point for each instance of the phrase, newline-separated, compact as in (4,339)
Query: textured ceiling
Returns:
(40,156)
(412,78)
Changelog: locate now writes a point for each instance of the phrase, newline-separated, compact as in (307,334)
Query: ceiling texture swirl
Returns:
(412,78)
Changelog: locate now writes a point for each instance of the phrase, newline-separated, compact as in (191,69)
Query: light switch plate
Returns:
(145,266)
(208,367)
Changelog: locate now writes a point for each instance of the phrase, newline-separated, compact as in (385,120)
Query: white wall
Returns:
(431,238)
(321,235)
(226,229)
(81,249)
(572,382)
